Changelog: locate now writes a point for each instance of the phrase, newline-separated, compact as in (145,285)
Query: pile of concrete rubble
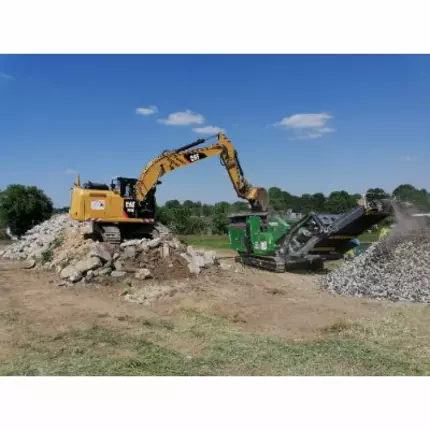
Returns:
(66,246)
(396,268)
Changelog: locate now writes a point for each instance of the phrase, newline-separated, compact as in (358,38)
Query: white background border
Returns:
(220,26)
(217,26)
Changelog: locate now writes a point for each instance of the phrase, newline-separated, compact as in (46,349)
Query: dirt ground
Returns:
(288,305)
(227,321)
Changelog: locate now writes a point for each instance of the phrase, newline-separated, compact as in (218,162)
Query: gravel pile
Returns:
(396,268)
(65,246)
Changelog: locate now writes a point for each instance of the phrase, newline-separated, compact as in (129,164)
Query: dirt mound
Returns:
(64,246)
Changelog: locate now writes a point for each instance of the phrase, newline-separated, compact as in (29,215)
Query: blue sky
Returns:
(305,123)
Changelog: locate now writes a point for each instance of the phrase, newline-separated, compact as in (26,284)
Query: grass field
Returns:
(396,345)
(221,242)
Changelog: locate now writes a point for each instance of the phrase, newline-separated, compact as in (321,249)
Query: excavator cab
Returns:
(124,186)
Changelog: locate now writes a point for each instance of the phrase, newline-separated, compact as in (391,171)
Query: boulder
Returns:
(89,263)
(143,274)
(118,274)
(103,251)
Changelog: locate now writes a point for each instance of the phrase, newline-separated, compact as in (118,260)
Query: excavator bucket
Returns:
(259,199)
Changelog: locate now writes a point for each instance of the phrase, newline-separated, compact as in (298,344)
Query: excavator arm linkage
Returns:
(184,156)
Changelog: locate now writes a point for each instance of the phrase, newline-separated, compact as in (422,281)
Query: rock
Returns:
(73,254)
(199,259)
(75,277)
(118,274)
(165,250)
(177,244)
(90,263)
(194,268)
(224,266)
(119,265)
(396,268)
(133,242)
(103,271)
(143,274)
(67,272)
(144,247)
(130,252)
(104,251)
(29,264)
(154,242)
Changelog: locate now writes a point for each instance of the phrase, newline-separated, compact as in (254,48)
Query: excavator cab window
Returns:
(125,187)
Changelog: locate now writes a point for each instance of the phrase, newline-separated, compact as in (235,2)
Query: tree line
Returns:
(22,207)
(197,217)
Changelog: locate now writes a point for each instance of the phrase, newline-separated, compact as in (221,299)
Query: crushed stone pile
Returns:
(396,268)
(66,246)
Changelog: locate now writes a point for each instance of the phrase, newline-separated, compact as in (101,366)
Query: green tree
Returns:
(376,194)
(196,225)
(173,204)
(22,207)
(180,220)
(207,210)
(307,203)
(220,218)
(338,202)
(239,206)
(318,202)
(276,199)
(164,215)
(408,193)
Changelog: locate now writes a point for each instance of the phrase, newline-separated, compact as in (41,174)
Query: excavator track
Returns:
(108,232)
(271,264)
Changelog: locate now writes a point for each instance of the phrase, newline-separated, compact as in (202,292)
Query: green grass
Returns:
(221,242)
(369,237)
(212,242)
(389,347)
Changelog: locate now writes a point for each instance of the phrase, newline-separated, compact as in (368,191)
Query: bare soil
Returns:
(288,305)
(229,320)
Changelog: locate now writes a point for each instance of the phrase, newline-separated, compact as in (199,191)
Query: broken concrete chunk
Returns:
(130,252)
(104,251)
(90,263)
(118,274)
(75,277)
(143,274)
(29,264)
(165,250)
(132,242)
(154,242)
(104,271)
(67,272)
(119,265)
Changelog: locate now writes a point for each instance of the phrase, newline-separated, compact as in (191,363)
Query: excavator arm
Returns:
(184,156)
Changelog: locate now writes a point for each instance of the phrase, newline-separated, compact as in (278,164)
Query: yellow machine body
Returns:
(128,202)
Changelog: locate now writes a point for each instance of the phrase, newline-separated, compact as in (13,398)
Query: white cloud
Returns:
(147,110)
(209,129)
(70,172)
(8,77)
(183,118)
(307,125)
(407,158)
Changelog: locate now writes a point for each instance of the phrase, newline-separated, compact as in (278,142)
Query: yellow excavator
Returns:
(127,208)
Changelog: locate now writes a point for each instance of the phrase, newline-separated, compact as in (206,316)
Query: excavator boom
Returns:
(184,156)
